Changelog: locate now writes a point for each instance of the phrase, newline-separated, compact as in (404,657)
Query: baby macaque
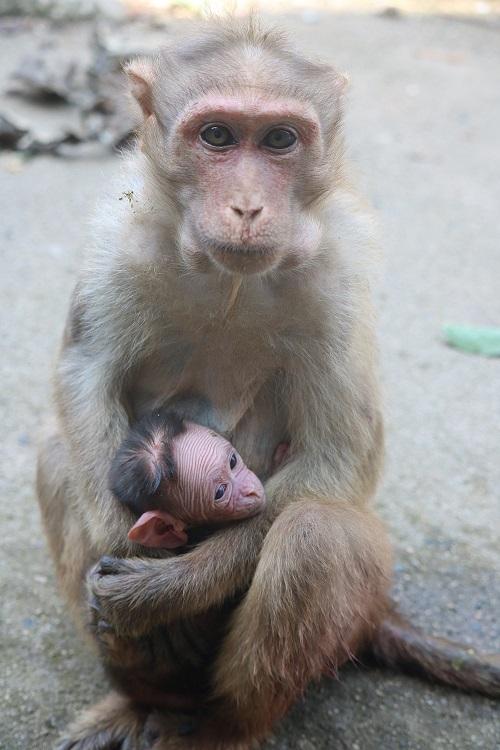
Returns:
(176,474)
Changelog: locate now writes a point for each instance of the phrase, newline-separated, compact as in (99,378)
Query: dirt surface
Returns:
(423,124)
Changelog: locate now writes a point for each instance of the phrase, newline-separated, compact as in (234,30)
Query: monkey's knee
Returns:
(316,532)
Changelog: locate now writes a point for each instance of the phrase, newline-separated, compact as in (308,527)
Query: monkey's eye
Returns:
(233,461)
(279,139)
(217,136)
(220,491)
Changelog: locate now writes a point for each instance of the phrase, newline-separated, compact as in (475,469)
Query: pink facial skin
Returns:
(246,196)
(212,485)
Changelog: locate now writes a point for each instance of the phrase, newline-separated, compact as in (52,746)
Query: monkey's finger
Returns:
(94,604)
(107,566)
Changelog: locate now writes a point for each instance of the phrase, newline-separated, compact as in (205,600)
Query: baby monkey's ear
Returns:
(158,529)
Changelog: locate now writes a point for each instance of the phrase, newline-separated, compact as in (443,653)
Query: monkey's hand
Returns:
(112,592)
(135,594)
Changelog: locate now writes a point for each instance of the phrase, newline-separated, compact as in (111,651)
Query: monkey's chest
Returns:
(231,387)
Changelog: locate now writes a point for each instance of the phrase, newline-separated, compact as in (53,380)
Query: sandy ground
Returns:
(423,124)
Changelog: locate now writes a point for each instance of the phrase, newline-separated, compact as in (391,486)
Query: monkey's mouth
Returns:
(242,258)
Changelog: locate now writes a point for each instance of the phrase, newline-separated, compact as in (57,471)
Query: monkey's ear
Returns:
(158,529)
(140,75)
(342,82)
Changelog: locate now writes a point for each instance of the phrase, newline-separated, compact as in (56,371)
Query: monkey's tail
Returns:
(398,644)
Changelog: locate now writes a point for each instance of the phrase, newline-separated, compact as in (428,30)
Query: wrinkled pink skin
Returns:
(203,461)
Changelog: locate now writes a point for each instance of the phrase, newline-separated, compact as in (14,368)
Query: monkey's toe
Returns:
(168,729)
(94,604)
(103,739)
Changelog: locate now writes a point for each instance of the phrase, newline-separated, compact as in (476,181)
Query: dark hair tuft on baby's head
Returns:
(145,459)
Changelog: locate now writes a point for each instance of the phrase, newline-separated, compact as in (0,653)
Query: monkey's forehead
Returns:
(243,47)
(242,65)
(251,103)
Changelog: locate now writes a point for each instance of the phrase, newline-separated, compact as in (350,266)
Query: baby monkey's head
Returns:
(183,469)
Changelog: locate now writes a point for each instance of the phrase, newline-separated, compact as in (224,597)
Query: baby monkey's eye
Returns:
(279,139)
(220,491)
(233,461)
(217,136)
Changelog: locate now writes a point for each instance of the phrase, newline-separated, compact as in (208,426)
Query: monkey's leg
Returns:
(318,591)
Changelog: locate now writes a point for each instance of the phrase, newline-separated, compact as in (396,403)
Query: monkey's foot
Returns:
(168,732)
(113,724)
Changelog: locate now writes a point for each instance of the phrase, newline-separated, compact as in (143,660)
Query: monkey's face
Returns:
(244,139)
(251,166)
(212,482)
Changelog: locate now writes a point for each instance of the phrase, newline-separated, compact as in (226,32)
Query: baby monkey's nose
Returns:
(251,496)
(250,491)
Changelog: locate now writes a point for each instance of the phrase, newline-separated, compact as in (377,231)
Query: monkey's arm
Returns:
(89,384)
(135,594)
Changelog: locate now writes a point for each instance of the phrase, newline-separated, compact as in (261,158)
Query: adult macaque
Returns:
(232,277)
(175,474)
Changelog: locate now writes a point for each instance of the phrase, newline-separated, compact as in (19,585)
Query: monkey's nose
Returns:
(248,214)
(250,493)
